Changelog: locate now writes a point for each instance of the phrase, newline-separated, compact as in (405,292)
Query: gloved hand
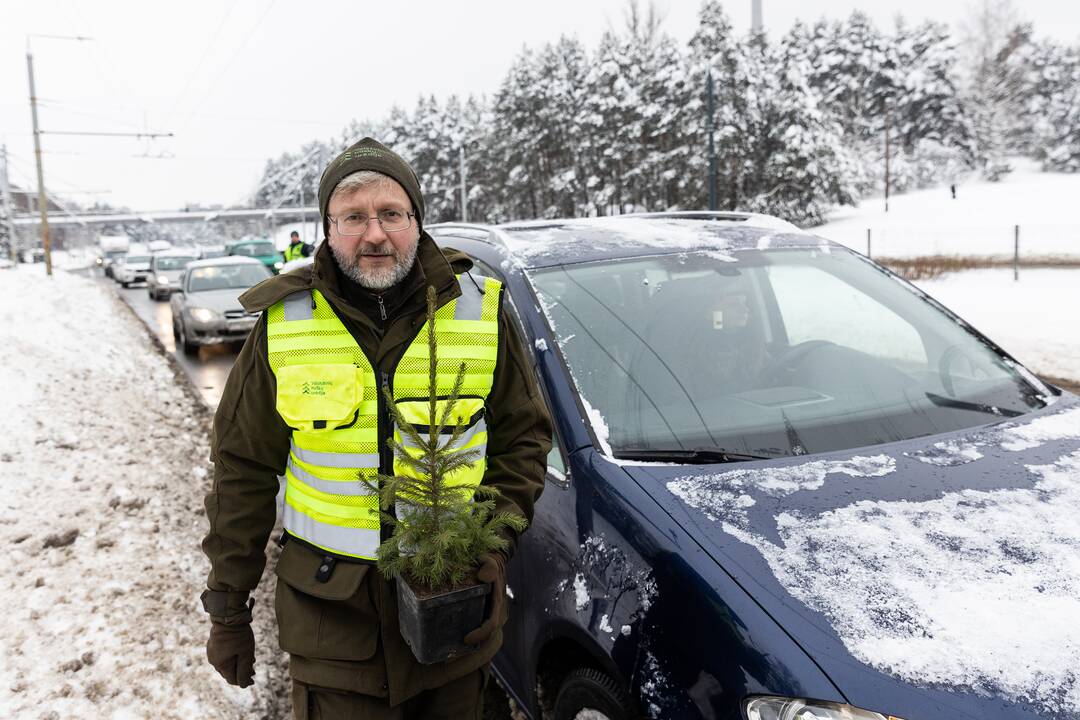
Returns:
(231,650)
(493,570)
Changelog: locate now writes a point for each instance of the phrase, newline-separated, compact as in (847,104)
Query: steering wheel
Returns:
(948,358)
(788,360)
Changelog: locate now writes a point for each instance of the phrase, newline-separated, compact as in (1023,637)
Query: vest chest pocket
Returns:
(468,412)
(319,397)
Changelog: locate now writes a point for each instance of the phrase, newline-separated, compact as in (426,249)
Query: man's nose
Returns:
(374,233)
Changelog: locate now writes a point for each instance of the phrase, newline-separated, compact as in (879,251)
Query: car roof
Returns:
(227,260)
(541,243)
(177,252)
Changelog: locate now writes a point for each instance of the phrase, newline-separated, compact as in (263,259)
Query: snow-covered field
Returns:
(979,222)
(1035,319)
(104,456)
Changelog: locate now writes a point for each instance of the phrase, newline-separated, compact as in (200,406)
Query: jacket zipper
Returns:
(385,430)
(382,308)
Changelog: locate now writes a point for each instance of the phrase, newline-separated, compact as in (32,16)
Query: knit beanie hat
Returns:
(369,154)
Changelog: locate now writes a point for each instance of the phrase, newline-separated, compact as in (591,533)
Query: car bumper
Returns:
(218,331)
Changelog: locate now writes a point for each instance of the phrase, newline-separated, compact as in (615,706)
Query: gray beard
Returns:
(376,279)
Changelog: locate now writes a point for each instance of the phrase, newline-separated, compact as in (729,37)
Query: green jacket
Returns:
(344,633)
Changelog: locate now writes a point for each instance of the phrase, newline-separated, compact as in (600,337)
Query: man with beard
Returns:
(303,401)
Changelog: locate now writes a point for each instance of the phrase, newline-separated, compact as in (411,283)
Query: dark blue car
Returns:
(787,485)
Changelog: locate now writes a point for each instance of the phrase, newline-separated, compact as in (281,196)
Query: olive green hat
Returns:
(370,154)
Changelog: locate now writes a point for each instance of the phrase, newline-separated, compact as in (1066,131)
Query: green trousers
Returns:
(461,699)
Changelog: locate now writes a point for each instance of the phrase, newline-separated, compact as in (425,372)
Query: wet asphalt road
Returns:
(208,370)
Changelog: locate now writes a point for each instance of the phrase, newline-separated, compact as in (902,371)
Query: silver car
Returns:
(165,271)
(206,310)
(131,269)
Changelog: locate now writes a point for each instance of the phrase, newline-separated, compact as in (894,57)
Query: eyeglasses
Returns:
(357,223)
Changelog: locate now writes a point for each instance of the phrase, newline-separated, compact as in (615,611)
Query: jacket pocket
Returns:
(333,620)
(319,397)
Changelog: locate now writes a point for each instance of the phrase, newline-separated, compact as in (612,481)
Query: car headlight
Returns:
(781,708)
(279,265)
(202,315)
(162,280)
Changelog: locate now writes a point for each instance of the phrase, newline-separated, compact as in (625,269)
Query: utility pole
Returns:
(464,193)
(5,199)
(711,125)
(43,205)
(886,161)
(755,15)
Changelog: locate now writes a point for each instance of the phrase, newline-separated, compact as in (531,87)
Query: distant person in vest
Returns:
(296,249)
(359,306)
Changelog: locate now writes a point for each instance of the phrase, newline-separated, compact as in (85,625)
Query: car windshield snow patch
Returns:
(911,588)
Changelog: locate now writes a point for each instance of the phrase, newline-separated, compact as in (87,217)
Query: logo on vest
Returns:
(316,387)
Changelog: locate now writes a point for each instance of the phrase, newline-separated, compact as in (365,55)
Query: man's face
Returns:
(294,239)
(377,259)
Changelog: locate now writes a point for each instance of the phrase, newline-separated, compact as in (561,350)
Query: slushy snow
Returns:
(104,458)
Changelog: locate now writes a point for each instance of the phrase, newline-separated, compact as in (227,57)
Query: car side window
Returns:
(556,465)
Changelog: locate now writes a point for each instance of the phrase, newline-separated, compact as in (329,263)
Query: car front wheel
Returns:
(189,347)
(594,691)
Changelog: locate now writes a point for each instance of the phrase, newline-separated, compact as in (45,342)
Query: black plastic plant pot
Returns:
(434,626)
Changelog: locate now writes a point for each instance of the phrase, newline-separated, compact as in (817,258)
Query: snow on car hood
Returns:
(949,563)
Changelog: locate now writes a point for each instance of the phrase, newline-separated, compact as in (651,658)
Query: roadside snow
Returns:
(104,463)
(1034,319)
(911,587)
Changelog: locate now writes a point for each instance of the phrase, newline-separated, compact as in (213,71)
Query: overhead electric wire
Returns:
(224,70)
(202,58)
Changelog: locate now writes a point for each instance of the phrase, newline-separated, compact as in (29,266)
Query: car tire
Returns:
(189,348)
(590,689)
(125,284)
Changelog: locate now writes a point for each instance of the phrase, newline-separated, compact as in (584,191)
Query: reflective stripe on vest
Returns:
(328,395)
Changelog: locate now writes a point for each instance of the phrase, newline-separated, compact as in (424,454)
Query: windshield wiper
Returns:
(695,456)
(942,401)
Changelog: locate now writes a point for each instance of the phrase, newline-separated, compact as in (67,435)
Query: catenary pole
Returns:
(464,194)
(43,206)
(711,125)
(755,14)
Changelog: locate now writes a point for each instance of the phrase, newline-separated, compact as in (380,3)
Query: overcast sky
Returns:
(238,81)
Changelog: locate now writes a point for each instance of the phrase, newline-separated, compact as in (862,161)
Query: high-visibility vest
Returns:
(329,393)
(295,251)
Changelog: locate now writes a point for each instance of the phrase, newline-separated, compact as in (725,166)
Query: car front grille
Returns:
(237,314)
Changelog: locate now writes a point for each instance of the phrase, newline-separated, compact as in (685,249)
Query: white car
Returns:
(166,268)
(131,269)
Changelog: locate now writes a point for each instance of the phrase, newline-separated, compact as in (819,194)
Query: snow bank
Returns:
(104,464)
(1034,318)
(980,221)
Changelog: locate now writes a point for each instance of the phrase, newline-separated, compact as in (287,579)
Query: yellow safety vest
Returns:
(328,393)
(294,252)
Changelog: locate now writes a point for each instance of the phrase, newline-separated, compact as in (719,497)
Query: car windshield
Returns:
(225,277)
(254,249)
(173,263)
(136,259)
(769,353)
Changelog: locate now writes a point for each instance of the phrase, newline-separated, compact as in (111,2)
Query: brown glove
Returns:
(231,647)
(231,650)
(493,570)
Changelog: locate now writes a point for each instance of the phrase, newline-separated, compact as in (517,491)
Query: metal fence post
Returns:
(1016,253)
(868,242)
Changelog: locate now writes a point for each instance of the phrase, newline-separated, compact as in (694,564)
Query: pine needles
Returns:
(440,526)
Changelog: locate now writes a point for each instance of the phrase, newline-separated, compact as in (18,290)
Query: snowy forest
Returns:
(802,122)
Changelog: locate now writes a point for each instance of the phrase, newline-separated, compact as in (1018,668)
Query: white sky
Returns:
(239,81)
